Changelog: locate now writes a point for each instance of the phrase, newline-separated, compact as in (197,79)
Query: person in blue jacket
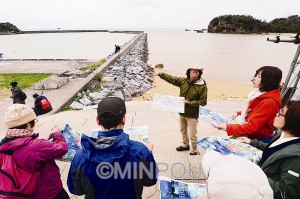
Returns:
(111,165)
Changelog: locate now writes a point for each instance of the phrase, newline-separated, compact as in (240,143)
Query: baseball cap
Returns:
(35,95)
(111,110)
(13,84)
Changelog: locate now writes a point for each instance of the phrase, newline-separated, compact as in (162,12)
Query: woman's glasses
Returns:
(280,113)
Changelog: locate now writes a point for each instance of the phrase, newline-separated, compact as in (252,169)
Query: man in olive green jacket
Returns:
(194,90)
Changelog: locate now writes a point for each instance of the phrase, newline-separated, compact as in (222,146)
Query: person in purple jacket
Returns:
(32,154)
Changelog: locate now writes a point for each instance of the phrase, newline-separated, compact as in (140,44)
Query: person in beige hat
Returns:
(194,90)
(32,154)
(231,176)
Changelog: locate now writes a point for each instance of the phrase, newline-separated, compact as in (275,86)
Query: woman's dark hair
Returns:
(292,118)
(270,78)
(24,126)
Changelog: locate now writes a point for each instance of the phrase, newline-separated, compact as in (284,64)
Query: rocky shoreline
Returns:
(126,78)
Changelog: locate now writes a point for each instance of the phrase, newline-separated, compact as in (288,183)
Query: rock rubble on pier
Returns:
(126,78)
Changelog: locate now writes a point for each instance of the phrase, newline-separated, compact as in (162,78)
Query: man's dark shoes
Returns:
(181,148)
(195,153)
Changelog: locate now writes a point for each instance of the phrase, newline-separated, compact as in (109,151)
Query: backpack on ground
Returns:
(16,183)
(45,104)
(22,96)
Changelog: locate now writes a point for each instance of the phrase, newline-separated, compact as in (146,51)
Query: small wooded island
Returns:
(242,24)
(8,28)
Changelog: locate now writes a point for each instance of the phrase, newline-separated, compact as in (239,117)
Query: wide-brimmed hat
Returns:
(195,66)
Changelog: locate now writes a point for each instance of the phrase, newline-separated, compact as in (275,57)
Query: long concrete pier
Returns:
(58,31)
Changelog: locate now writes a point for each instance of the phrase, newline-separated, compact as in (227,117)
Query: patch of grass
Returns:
(24,80)
(93,66)
(69,108)
(98,77)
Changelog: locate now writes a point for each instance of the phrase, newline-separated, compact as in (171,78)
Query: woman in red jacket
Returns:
(261,107)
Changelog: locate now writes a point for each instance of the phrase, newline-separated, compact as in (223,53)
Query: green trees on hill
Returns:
(8,28)
(290,24)
(247,24)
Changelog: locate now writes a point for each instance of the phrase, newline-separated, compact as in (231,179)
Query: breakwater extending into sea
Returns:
(126,77)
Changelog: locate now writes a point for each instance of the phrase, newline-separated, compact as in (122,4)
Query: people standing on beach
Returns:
(280,158)
(117,48)
(259,110)
(32,154)
(111,165)
(194,91)
(231,176)
(41,104)
(16,93)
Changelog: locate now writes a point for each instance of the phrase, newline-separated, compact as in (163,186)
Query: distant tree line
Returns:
(8,28)
(248,24)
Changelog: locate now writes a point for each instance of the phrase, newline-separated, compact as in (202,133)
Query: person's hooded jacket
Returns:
(259,120)
(195,92)
(16,92)
(32,155)
(110,167)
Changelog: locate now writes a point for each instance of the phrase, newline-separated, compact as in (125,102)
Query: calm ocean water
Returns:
(91,45)
(224,56)
(230,57)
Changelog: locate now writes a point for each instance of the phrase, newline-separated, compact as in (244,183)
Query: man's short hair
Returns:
(111,111)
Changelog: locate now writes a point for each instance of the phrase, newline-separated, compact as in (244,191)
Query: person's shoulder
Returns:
(135,146)
(200,82)
(40,142)
(269,102)
(79,156)
(133,143)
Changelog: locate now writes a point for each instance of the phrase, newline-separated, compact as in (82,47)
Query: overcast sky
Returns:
(100,14)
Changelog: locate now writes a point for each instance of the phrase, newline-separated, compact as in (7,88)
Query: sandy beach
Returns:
(217,90)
